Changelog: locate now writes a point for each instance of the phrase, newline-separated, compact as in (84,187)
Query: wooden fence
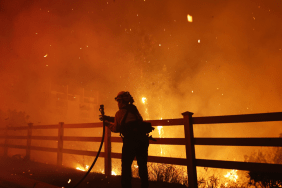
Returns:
(189,141)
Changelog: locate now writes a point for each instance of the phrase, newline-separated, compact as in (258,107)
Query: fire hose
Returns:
(101,109)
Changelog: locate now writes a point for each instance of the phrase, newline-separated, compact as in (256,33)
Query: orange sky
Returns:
(227,61)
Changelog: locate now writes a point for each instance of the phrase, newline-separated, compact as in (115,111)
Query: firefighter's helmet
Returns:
(125,96)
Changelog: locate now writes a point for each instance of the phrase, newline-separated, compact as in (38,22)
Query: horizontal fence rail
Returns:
(260,167)
(240,141)
(244,118)
(189,141)
(166,122)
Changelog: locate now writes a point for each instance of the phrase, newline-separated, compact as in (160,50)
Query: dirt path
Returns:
(5,184)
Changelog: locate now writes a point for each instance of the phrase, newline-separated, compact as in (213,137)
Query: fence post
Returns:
(60,144)
(107,150)
(190,149)
(6,143)
(28,144)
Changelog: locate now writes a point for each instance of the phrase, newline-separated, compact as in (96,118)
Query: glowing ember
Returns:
(69,181)
(46,55)
(232,175)
(189,18)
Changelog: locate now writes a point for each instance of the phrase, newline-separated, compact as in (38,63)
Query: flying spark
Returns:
(144,99)
(189,18)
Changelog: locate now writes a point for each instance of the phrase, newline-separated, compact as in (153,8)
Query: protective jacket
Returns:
(132,116)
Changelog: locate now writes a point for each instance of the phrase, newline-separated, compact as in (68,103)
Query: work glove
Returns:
(151,138)
(107,118)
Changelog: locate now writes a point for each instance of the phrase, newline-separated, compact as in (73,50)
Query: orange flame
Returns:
(83,169)
(232,175)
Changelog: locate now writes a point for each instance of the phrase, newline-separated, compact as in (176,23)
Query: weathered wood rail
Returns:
(189,141)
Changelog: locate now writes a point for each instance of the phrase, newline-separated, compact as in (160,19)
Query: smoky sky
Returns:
(227,61)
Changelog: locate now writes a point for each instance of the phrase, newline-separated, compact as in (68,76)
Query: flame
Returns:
(113,173)
(232,175)
(144,101)
(83,169)
(77,168)
(160,130)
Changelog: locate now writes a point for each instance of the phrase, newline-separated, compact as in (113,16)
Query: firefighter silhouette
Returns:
(135,141)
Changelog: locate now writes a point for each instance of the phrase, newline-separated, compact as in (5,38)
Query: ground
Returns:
(60,177)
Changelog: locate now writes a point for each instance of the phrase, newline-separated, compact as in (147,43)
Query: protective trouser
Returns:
(134,147)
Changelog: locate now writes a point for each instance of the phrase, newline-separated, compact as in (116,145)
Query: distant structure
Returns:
(73,104)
